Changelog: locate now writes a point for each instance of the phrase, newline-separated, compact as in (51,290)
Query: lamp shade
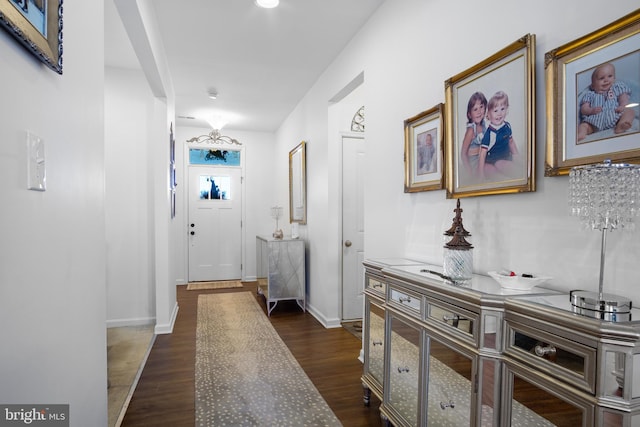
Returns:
(605,195)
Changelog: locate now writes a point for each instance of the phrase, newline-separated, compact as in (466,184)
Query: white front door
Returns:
(353,152)
(215,234)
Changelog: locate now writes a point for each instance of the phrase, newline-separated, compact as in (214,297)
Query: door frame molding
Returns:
(342,135)
(243,218)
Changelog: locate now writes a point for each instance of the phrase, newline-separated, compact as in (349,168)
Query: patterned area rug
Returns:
(245,374)
(222,284)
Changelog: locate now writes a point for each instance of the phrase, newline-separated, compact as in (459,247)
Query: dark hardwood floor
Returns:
(165,392)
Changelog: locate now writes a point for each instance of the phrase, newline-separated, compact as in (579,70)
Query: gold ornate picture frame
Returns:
(575,137)
(504,162)
(37,24)
(298,184)
(423,151)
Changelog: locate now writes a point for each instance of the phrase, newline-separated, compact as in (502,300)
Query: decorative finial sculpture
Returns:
(457,222)
(458,254)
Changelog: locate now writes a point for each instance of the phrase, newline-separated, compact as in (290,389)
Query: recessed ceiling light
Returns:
(267,4)
(212,94)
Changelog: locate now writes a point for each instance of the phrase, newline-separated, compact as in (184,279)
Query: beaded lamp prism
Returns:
(604,196)
(458,254)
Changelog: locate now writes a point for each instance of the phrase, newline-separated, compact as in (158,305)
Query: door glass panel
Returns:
(449,386)
(532,405)
(215,187)
(404,362)
(204,156)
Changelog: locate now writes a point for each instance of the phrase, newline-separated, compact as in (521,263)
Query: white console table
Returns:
(281,270)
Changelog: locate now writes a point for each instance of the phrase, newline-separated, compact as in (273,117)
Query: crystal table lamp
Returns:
(604,196)
(276,213)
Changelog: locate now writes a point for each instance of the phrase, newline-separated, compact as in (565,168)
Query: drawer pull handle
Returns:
(377,342)
(377,285)
(545,351)
(453,318)
(401,370)
(404,299)
(444,405)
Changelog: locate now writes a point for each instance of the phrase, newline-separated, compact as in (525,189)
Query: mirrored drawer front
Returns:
(375,352)
(572,362)
(450,317)
(406,301)
(376,286)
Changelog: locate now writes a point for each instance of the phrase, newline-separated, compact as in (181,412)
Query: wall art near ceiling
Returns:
(593,97)
(490,126)
(37,24)
(423,151)
(214,157)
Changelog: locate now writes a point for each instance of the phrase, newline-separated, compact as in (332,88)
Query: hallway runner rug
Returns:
(245,373)
(222,284)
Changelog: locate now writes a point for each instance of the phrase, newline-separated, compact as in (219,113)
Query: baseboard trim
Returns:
(139,321)
(327,323)
(168,328)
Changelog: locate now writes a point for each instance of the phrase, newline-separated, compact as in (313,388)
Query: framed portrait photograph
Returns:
(490,126)
(37,24)
(593,97)
(423,151)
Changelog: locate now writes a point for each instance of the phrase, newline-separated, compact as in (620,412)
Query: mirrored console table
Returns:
(437,353)
(280,265)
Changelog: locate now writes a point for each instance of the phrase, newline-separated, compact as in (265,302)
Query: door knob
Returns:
(192,233)
(347,243)
(193,225)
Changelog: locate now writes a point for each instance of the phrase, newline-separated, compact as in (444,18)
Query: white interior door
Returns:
(215,220)
(353,154)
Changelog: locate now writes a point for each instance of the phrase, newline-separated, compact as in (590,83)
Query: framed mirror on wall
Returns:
(298,184)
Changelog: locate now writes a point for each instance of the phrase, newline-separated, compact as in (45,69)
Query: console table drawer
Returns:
(567,360)
(376,286)
(455,319)
(406,301)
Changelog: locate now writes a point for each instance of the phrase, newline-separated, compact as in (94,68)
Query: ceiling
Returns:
(261,62)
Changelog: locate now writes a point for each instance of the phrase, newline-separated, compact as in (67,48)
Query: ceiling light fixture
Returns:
(267,4)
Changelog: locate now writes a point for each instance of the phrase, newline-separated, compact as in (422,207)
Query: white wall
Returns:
(129,194)
(157,114)
(259,195)
(407,50)
(52,251)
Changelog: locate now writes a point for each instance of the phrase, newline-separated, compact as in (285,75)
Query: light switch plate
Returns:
(36,170)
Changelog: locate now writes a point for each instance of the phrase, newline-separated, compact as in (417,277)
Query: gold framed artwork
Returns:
(593,96)
(298,184)
(423,151)
(37,24)
(490,126)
